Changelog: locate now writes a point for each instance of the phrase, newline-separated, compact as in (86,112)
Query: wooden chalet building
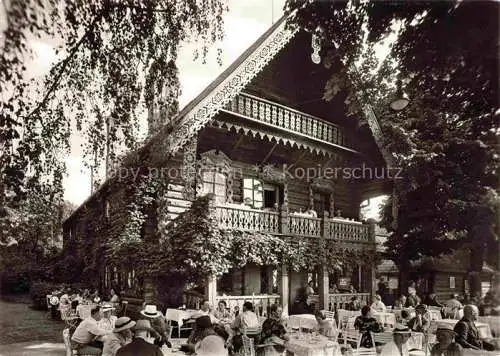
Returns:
(261,117)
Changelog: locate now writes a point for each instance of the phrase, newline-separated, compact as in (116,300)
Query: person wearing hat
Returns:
(160,328)
(212,345)
(120,336)
(421,321)
(107,321)
(446,345)
(141,345)
(399,345)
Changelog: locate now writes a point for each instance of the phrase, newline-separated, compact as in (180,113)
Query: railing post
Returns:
(326,226)
(284,219)
(371,230)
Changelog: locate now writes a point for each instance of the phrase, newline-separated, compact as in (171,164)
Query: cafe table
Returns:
(307,344)
(471,352)
(305,321)
(493,321)
(385,318)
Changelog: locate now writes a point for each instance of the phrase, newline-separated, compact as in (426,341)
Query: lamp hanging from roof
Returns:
(316,46)
(400,100)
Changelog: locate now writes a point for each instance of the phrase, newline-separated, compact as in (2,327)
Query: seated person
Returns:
(432,301)
(354,304)
(120,336)
(326,327)
(158,323)
(247,319)
(452,306)
(405,317)
(400,302)
(421,322)
(202,328)
(467,333)
(399,345)
(446,345)
(222,312)
(140,345)
(273,333)
(206,309)
(84,338)
(212,345)
(413,299)
(107,321)
(366,323)
(377,304)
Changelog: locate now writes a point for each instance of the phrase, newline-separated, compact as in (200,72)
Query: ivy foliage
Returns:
(194,246)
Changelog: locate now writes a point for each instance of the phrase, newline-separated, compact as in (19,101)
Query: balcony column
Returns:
(211,289)
(324,282)
(324,290)
(284,289)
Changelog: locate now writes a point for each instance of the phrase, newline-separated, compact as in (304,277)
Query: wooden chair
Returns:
(70,317)
(329,314)
(248,348)
(362,351)
(381,338)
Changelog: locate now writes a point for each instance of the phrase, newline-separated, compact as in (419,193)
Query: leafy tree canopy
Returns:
(446,55)
(114,56)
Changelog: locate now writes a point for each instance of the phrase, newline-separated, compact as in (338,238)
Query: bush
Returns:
(38,294)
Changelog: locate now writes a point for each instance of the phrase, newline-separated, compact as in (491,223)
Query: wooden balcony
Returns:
(289,120)
(239,217)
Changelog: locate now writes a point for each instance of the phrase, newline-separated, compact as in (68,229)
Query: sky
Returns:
(244,23)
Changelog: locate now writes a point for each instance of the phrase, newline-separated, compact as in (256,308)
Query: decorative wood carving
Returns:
(199,115)
(272,174)
(189,169)
(323,185)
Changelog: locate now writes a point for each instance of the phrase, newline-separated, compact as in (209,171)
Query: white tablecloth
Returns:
(416,340)
(342,313)
(493,321)
(308,345)
(385,318)
(307,321)
(471,352)
(483,328)
(179,315)
(83,310)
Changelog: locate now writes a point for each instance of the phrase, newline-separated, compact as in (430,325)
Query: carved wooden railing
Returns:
(234,216)
(340,300)
(248,219)
(304,226)
(287,118)
(349,231)
(261,302)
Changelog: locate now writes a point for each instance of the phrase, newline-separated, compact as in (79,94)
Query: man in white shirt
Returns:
(378,305)
(399,346)
(84,338)
(247,319)
(107,321)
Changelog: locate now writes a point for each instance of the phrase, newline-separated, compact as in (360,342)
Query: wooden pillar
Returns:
(211,289)
(284,289)
(324,282)
(324,290)
(284,219)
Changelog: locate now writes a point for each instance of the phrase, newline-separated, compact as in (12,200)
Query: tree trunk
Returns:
(476,267)
(149,291)
(404,276)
